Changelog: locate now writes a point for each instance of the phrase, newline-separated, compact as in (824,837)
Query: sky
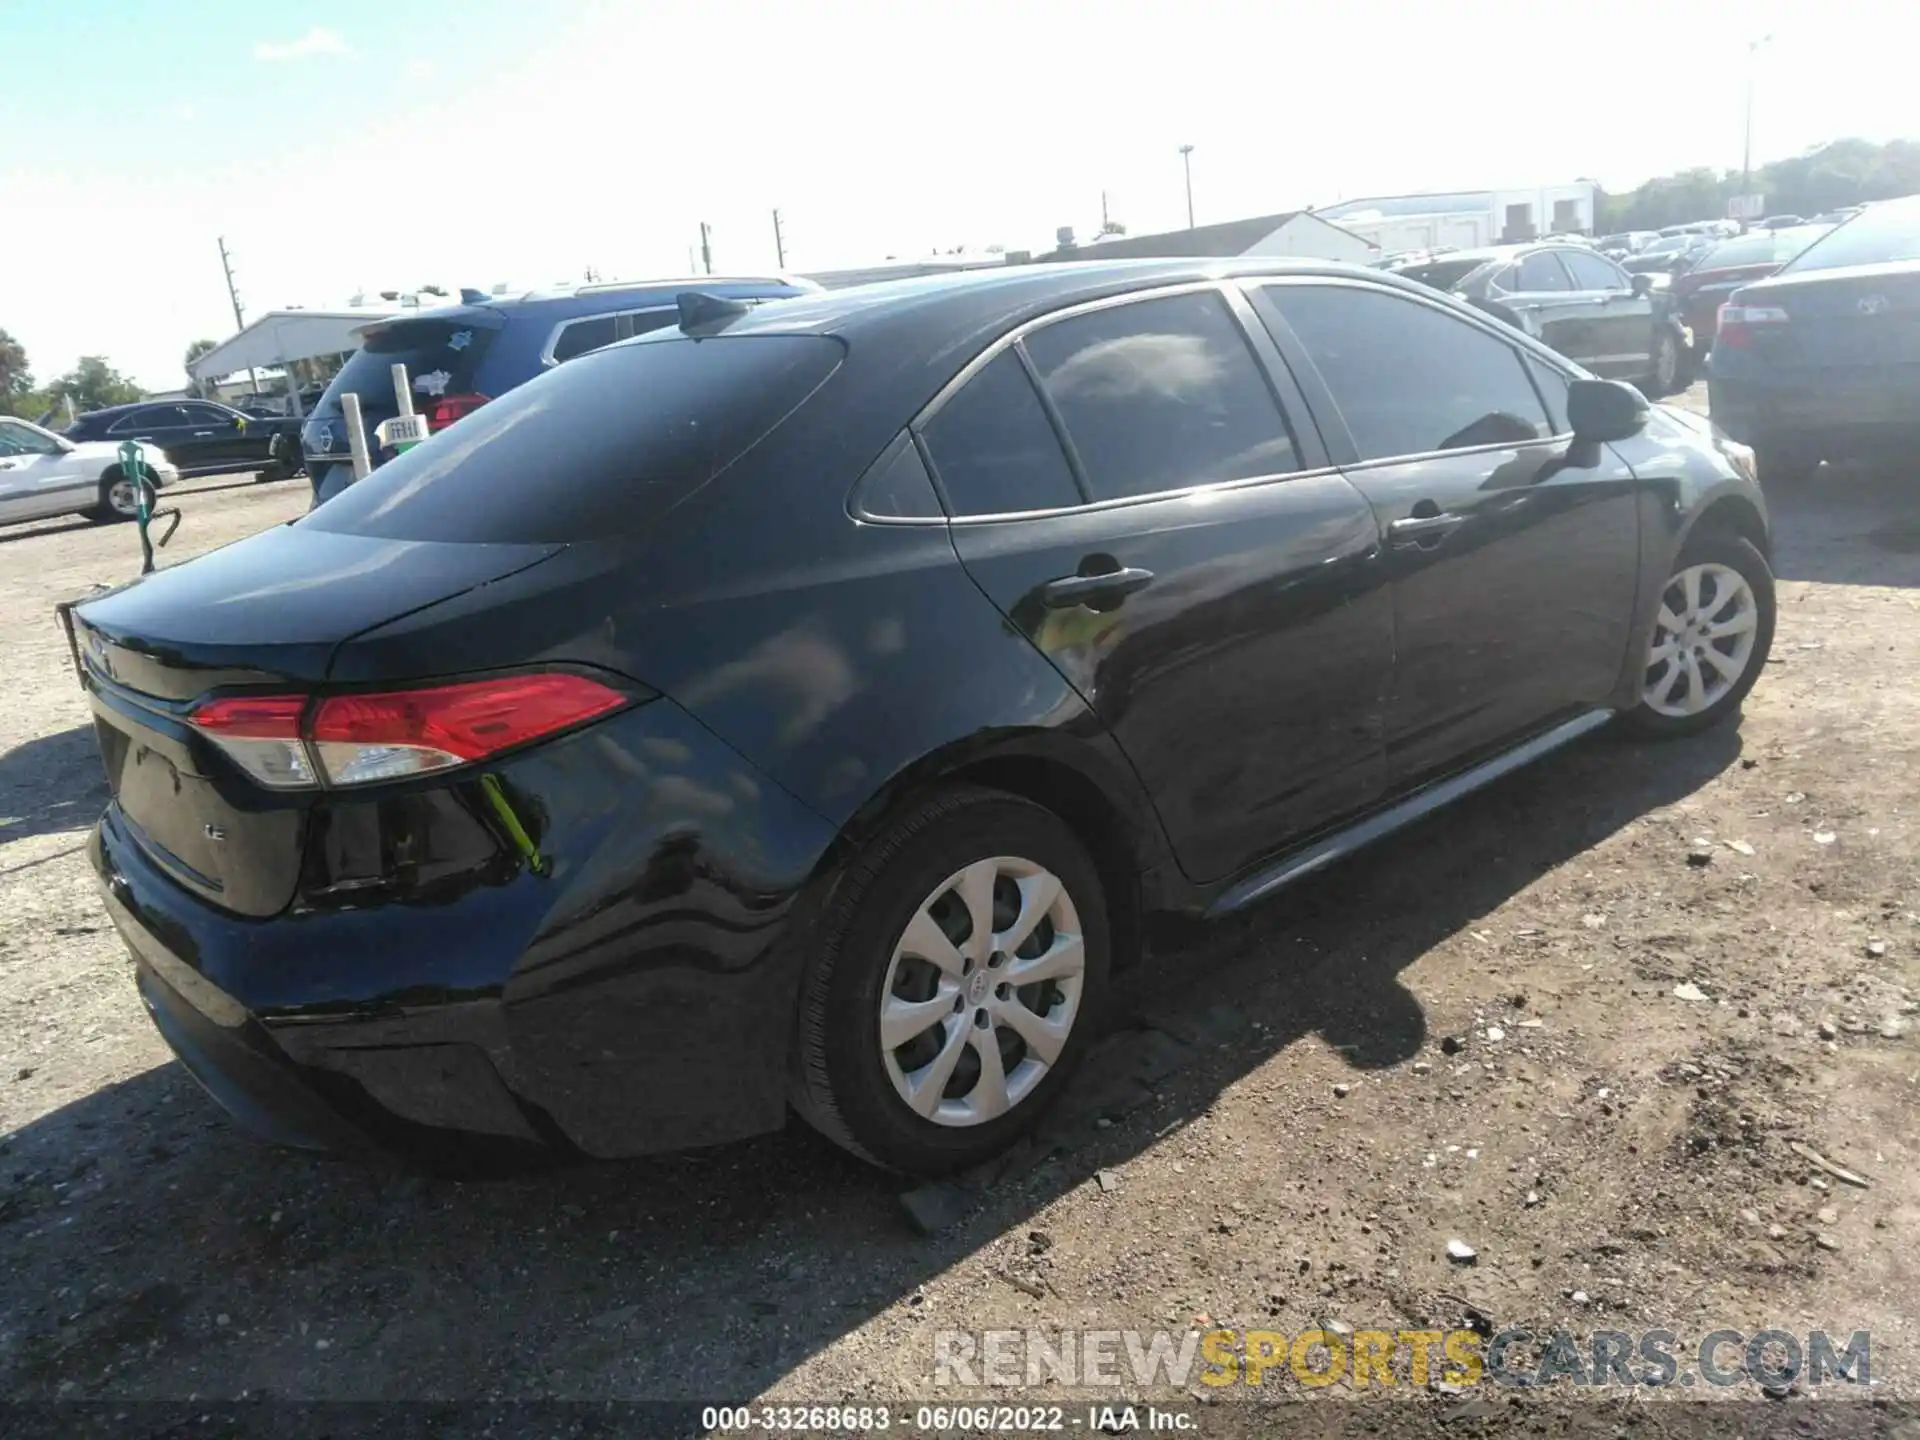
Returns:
(367,145)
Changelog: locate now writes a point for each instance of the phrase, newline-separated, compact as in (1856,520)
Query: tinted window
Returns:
(1410,378)
(204,415)
(593,448)
(900,489)
(441,357)
(1440,274)
(1161,395)
(1539,271)
(584,335)
(1591,272)
(993,447)
(19,440)
(1879,233)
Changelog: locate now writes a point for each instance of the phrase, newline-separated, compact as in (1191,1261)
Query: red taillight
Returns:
(361,739)
(1736,324)
(449,408)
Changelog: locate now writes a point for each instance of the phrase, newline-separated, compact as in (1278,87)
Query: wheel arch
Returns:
(1732,515)
(1085,782)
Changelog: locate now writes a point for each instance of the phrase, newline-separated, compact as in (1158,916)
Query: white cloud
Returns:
(317,41)
(419,69)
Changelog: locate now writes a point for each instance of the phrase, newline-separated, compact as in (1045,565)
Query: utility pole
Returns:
(1186,160)
(1746,152)
(779,245)
(239,317)
(706,248)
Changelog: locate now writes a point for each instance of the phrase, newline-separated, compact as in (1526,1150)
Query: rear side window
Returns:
(441,356)
(1409,378)
(1539,271)
(1161,394)
(582,336)
(993,447)
(596,447)
(1592,272)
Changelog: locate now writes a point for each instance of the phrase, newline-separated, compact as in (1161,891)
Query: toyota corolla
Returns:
(807,708)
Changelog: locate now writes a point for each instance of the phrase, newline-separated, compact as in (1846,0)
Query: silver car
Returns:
(43,474)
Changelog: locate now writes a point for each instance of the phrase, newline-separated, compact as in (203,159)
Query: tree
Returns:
(14,378)
(194,352)
(1841,172)
(93,385)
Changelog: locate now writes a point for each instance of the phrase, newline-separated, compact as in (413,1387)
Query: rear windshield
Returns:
(601,445)
(441,356)
(1441,274)
(1877,235)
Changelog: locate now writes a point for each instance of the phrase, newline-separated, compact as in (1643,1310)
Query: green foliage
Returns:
(93,384)
(1843,172)
(15,379)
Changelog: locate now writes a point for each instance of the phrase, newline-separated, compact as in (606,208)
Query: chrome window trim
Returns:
(1552,358)
(1225,288)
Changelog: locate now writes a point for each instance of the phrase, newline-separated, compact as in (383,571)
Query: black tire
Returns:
(1738,554)
(105,512)
(840,1081)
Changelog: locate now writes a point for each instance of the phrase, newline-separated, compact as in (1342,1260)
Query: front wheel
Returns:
(956,984)
(1711,636)
(120,498)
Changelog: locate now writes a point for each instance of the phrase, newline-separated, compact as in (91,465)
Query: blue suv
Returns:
(460,356)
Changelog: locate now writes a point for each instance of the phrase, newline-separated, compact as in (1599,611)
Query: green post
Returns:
(133,465)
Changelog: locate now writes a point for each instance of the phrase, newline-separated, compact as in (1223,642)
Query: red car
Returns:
(1698,292)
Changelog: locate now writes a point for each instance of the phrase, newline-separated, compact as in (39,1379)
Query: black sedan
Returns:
(1579,302)
(811,706)
(198,436)
(1821,361)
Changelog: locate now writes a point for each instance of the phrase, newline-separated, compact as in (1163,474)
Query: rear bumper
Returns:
(1843,417)
(632,993)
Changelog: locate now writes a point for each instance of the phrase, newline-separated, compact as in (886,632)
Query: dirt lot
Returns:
(1478,1031)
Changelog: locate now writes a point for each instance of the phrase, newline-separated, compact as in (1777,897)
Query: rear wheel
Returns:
(957,984)
(1710,639)
(120,498)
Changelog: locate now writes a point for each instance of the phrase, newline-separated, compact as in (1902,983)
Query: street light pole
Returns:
(1746,151)
(1186,161)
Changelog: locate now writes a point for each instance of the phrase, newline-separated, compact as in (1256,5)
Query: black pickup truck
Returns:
(199,436)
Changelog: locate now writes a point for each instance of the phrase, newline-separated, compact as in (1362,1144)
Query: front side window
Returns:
(204,415)
(1408,378)
(1539,271)
(993,447)
(1161,394)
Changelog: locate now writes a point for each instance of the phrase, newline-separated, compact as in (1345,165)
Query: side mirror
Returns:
(1642,285)
(1603,410)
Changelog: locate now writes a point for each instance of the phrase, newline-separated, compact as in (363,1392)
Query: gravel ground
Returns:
(1532,1024)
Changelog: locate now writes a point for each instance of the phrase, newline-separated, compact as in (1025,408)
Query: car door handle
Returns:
(202,434)
(1111,586)
(1417,532)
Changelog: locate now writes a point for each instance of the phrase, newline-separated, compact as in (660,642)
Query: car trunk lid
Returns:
(1863,319)
(266,614)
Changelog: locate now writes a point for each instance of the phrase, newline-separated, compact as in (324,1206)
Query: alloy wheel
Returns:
(123,498)
(1703,639)
(982,991)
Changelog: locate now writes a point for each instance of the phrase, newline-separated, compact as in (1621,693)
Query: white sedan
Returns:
(44,474)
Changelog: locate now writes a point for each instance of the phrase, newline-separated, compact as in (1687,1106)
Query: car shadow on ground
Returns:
(1849,525)
(51,785)
(12,534)
(150,1251)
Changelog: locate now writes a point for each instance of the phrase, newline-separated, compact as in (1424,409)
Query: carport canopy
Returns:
(280,336)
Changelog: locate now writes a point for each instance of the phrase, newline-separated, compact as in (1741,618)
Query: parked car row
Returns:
(1721,269)
(1577,301)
